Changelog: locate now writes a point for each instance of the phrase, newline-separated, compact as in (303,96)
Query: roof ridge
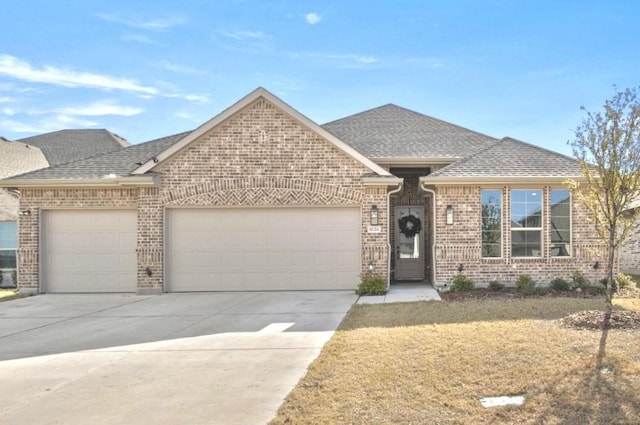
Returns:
(357,114)
(540,148)
(467,158)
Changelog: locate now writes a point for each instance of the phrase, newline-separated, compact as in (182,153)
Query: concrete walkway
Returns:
(403,293)
(197,359)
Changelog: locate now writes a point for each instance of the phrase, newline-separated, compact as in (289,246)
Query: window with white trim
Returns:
(526,222)
(560,223)
(8,244)
(491,223)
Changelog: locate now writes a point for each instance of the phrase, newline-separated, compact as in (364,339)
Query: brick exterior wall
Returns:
(258,157)
(460,243)
(630,251)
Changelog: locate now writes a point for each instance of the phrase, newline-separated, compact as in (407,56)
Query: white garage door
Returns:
(89,251)
(246,249)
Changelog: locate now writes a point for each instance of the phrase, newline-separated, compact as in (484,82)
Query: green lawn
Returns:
(430,362)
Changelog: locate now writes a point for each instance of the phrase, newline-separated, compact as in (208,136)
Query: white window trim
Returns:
(570,225)
(12,249)
(531,229)
(502,211)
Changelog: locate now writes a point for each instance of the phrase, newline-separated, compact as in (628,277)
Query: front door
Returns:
(410,228)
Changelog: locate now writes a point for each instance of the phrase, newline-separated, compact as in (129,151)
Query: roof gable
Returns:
(390,131)
(239,106)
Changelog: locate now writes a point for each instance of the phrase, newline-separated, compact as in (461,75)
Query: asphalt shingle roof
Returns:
(120,163)
(512,158)
(61,147)
(391,131)
(18,158)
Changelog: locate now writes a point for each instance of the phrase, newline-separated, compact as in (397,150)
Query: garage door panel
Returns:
(89,251)
(263,249)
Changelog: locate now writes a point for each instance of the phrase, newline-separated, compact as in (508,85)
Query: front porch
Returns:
(403,293)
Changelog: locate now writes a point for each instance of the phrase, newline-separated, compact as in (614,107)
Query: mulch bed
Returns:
(589,320)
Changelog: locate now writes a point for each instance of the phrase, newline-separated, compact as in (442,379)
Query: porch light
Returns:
(25,213)
(449,214)
(370,267)
(373,215)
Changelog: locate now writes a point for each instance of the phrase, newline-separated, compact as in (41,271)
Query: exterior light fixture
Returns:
(449,214)
(460,267)
(25,213)
(596,265)
(370,267)
(373,215)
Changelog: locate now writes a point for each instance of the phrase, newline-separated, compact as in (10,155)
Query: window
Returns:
(560,231)
(526,223)
(8,244)
(491,223)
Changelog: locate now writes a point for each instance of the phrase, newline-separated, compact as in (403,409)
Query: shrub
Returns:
(579,281)
(372,284)
(560,285)
(462,283)
(541,290)
(625,281)
(595,289)
(494,285)
(526,284)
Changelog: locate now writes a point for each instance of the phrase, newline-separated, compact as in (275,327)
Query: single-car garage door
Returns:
(89,251)
(249,249)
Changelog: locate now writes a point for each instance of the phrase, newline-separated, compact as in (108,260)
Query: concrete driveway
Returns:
(220,358)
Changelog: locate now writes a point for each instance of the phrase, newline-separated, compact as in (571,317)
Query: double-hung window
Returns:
(8,244)
(491,223)
(560,223)
(526,222)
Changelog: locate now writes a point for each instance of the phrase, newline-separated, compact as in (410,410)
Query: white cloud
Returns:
(312,18)
(56,122)
(161,24)
(9,111)
(6,99)
(198,98)
(16,68)
(346,60)
(139,38)
(183,115)
(429,63)
(243,35)
(104,107)
(182,69)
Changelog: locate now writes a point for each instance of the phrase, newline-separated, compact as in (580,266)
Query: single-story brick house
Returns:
(262,198)
(630,249)
(34,153)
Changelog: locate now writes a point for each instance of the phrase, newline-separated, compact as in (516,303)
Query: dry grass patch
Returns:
(431,362)
(8,294)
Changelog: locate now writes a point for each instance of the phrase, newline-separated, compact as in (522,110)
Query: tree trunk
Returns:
(611,285)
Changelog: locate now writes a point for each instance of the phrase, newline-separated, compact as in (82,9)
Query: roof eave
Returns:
(100,182)
(488,180)
(415,161)
(382,180)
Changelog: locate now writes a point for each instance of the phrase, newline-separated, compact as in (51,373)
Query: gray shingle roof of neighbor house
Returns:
(119,163)
(61,147)
(391,131)
(511,158)
(18,158)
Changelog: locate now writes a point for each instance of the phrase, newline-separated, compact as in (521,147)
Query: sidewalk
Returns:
(403,293)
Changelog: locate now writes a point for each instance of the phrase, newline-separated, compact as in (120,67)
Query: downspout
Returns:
(433,221)
(389,250)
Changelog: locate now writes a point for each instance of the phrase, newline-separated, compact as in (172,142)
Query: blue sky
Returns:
(150,69)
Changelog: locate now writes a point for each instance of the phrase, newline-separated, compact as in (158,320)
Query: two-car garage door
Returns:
(244,249)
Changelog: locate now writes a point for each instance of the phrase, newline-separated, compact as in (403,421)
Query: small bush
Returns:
(625,281)
(372,284)
(595,290)
(494,285)
(541,290)
(462,283)
(579,281)
(560,285)
(526,284)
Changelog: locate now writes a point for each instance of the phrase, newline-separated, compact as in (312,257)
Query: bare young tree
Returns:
(607,144)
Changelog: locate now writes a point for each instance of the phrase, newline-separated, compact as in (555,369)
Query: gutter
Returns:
(433,245)
(96,182)
(389,250)
(523,180)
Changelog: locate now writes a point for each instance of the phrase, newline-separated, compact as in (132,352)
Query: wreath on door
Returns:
(410,225)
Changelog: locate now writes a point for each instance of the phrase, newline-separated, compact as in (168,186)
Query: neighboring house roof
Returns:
(8,206)
(108,165)
(389,132)
(509,159)
(18,158)
(61,147)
